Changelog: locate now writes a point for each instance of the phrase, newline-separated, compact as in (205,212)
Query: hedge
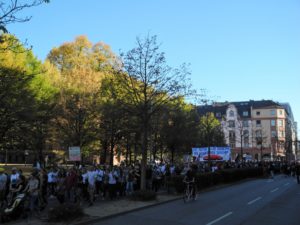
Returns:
(206,180)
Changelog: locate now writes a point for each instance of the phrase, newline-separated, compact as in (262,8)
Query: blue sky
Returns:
(238,50)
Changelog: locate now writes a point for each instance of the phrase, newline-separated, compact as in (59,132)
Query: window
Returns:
(258,133)
(273,123)
(232,139)
(273,112)
(245,123)
(280,123)
(245,113)
(231,113)
(280,112)
(257,113)
(231,123)
(281,134)
(258,123)
(273,133)
(218,114)
(246,142)
(246,133)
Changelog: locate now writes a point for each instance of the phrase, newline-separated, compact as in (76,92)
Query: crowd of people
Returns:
(78,184)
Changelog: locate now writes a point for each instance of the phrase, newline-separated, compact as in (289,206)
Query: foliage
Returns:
(82,67)
(211,133)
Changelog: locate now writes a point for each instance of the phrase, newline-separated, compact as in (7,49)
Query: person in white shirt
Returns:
(99,181)
(52,181)
(14,178)
(112,183)
(91,175)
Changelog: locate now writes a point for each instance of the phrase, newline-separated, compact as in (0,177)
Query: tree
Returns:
(211,132)
(10,10)
(149,84)
(82,66)
(180,128)
(26,93)
(9,13)
(260,140)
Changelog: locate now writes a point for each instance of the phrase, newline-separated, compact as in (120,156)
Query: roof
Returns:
(221,107)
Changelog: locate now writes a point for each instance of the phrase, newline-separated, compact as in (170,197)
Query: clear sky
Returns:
(238,49)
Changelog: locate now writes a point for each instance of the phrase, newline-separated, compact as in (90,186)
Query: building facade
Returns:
(257,130)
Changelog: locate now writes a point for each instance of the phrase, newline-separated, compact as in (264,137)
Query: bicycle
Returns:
(189,192)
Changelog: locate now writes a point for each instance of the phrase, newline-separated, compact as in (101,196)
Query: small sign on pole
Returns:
(74,153)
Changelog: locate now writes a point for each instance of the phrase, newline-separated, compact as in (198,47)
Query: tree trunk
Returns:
(104,154)
(144,154)
(127,150)
(172,154)
(111,158)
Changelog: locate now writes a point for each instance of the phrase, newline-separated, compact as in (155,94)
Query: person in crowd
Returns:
(16,188)
(60,188)
(32,189)
(71,184)
(14,178)
(52,181)
(91,175)
(99,181)
(112,183)
(3,187)
(129,181)
(157,178)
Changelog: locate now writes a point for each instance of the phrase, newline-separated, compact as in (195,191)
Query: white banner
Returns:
(216,153)
(74,153)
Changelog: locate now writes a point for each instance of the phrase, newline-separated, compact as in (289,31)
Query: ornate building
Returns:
(257,129)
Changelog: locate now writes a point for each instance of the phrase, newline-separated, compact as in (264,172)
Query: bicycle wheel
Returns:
(186,195)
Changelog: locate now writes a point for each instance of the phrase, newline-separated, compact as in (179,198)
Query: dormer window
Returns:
(218,114)
(245,113)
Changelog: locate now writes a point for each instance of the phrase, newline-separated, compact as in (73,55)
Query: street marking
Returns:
(286,184)
(220,218)
(276,189)
(251,202)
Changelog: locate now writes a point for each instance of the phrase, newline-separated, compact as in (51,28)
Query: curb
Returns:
(98,219)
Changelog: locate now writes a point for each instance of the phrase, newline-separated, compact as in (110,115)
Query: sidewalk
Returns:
(102,209)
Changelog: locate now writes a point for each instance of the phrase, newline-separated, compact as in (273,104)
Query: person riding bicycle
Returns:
(190,178)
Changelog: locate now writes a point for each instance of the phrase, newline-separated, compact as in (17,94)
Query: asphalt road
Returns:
(255,202)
